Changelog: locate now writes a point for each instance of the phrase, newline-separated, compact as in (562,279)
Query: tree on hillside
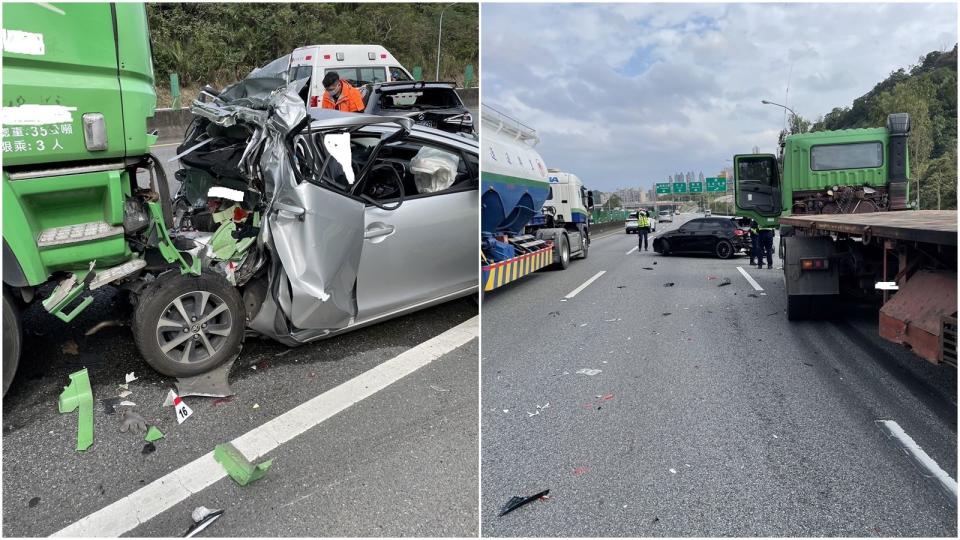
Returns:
(911,97)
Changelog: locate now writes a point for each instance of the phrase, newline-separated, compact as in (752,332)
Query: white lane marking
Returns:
(167,144)
(161,494)
(912,448)
(632,250)
(585,284)
(756,286)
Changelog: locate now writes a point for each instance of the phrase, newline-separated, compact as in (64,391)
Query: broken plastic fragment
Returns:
(724,282)
(130,377)
(168,401)
(517,502)
(153,434)
(237,466)
(78,395)
(127,404)
(588,371)
(203,517)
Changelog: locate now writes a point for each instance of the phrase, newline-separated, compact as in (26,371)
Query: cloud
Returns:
(625,94)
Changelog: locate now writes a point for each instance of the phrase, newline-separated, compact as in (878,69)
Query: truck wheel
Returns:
(723,249)
(12,336)
(564,251)
(188,325)
(799,307)
(585,250)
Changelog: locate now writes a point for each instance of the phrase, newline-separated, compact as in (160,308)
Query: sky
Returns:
(624,95)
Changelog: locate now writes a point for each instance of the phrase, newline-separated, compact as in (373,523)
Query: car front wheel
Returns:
(188,325)
(723,249)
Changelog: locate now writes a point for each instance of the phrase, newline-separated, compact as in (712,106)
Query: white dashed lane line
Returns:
(753,283)
(631,251)
(585,285)
(912,449)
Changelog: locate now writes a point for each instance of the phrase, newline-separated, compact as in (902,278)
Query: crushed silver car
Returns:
(299,228)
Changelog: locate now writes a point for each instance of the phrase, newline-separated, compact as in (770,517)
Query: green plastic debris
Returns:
(153,434)
(237,466)
(165,244)
(78,395)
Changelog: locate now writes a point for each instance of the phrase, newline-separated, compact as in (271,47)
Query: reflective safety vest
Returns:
(643,221)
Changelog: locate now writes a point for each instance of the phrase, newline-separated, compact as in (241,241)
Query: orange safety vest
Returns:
(350,99)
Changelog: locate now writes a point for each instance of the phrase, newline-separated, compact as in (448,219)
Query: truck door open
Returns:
(757,184)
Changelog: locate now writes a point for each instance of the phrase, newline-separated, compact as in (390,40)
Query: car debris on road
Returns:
(516,502)
(238,466)
(78,396)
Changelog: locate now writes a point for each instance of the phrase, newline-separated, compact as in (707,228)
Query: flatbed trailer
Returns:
(913,252)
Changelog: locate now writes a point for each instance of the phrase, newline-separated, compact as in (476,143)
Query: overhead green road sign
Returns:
(696,187)
(679,187)
(716,184)
(663,189)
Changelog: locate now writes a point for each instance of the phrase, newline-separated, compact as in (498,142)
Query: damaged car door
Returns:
(317,224)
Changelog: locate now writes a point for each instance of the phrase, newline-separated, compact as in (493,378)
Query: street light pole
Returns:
(440,35)
(765,102)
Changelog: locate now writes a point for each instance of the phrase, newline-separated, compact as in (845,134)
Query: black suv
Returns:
(722,237)
(431,104)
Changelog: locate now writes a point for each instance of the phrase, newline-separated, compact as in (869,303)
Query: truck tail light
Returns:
(814,264)
(313,101)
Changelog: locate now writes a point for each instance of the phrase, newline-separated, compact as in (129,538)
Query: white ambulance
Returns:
(358,64)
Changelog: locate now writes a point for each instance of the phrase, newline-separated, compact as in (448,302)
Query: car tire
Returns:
(723,249)
(12,339)
(563,250)
(172,295)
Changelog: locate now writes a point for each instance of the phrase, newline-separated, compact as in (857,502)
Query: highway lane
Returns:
(711,415)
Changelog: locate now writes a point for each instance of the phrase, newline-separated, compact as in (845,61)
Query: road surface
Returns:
(709,413)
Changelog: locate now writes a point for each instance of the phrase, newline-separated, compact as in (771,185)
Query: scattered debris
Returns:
(711,278)
(70,347)
(127,404)
(806,364)
(648,268)
(32,503)
(539,408)
(606,397)
(153,434)
(183,412)
(130,377)
(110,405)
(582,325)
(148,448)
(624,286)
(77,396)
(124,393)
(283,353)
(655,520)
(589,371)
(130,419)
(673,471)
(436,388)
(554,313)
(751,295)
(669,284)
(103,324)
(168,401)
(612,320)
(237,466)
(221,401)
(654,262)
(724,282)
(256,405)
(580,470)
(213,383)
(664,314)
(506,410)
(517,502)
(203,517)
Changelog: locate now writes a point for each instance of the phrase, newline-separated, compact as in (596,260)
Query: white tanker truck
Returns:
(531,217)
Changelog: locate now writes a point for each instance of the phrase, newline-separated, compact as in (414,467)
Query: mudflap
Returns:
(811,282)
(914,315)
(318,236)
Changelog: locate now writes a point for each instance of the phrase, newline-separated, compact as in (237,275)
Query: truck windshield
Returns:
(828,157)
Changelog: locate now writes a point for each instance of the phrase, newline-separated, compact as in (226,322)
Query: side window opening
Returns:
(398,74)
(831,157)
(760,170)
(423,170)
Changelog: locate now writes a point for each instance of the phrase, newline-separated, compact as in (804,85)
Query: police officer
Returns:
(754,241)
(643,229)
(765,247)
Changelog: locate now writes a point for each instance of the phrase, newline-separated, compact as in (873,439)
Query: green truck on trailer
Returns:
(840,201)
(77,93)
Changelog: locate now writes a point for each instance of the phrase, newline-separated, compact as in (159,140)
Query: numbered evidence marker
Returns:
(183,412)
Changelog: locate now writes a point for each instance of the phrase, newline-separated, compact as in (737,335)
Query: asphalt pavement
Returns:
(402,462)
(658,402)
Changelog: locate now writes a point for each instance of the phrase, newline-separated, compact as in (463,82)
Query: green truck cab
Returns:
(848,171)
(77,93)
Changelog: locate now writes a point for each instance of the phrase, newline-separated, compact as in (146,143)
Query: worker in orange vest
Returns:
(340,94)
